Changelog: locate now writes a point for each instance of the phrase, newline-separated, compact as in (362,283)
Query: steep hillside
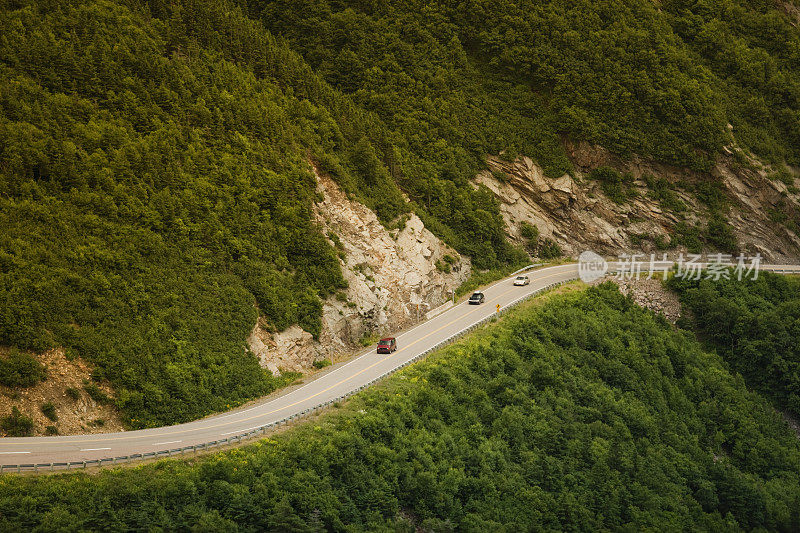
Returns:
(657,79)
(158,196)
(694,101)
(64,401)
(647,207)
(152,191)
(587,413)
(394,277)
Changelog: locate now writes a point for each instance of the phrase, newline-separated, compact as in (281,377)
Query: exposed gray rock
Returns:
(574,211)
(392,277)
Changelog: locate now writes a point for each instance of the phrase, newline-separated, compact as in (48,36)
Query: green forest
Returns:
(658,79)
(155,195)
(156,157)
(755,326)
(583,412)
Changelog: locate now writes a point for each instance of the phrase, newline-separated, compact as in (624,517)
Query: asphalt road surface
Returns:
(339,380)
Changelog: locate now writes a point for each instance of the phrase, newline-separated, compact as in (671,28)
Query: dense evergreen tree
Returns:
(755,325)
(657,79)
(156,195)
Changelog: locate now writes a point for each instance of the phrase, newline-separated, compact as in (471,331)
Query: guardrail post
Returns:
(84,465)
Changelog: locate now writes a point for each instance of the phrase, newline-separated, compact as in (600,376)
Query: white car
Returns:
(521,280)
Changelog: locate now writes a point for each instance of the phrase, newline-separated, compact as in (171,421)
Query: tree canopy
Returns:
(755,325)
(661,80)
(155,157)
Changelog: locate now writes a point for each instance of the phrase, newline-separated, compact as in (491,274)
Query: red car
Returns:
(387,345)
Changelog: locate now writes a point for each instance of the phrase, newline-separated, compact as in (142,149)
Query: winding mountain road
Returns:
(338,381)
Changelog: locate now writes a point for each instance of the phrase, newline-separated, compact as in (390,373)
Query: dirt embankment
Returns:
(75,411)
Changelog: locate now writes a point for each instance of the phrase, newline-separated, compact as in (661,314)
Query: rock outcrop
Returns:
(649,293)
(576,215)
(574,211)
(758,199)
(394,277)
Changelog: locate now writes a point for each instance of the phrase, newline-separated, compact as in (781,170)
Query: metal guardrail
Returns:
(195,448)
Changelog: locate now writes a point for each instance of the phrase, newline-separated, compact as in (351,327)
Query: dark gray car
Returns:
(477,298)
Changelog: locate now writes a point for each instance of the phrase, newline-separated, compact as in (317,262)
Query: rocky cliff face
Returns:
(394,278)
(575,213)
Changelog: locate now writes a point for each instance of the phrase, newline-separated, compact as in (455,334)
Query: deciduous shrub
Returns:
(49,410)
(96,393)
(615,185)
(549,249)
(73,393)
(16,424)
(20,369)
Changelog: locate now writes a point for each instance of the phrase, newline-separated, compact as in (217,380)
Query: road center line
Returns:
(94,449)
(348,378)
(168,442)
(351,376)
(357,357)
